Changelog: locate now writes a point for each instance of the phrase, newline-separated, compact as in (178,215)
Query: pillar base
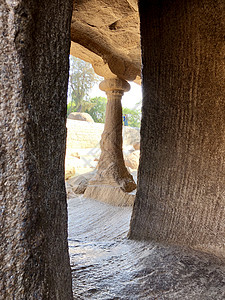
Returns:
(110,194)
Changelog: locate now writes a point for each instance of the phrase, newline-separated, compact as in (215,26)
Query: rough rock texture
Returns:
(88,135)
(106,34)
(109,194)
(34,58)
(132,160)
(183,125)
(130,135)
(106,265)
(69,191)
(136,146)
(79,183)
(81,117)
(112,171)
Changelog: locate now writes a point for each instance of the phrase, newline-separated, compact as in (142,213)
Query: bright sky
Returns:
(129,100)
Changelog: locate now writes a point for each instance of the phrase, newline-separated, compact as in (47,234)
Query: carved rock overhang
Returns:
(106,34)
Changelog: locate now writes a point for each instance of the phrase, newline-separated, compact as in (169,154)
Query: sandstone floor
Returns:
(106,265)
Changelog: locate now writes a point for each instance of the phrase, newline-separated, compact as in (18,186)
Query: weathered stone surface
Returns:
(113,195)
(79,183)
(182,136)
(102,256)
(132,160)
(82,135)
(111,170)
(106,34)
(130,135)
(181,180)
(69,191)
(81,117)
(34,67)
(136,146)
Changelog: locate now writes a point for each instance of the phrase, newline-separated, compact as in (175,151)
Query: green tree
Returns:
(97,111)
(81,80)
(134,116)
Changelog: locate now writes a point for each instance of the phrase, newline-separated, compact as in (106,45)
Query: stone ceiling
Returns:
(106,34)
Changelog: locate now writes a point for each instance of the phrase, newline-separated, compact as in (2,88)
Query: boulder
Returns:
(136,146)
(79,183)
(132,160)
(69,191)
(80,117)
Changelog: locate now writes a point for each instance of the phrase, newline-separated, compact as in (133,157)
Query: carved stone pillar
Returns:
(112,173)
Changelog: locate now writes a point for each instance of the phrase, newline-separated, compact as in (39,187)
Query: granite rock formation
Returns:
(136,146)
(183,126)
(180,195)
(132,160)
(81,117)
(106,34)
(79,183)
(34,58)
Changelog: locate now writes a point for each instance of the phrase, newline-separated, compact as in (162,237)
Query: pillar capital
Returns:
(114,85)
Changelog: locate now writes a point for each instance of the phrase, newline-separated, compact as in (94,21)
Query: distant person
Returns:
(125,120)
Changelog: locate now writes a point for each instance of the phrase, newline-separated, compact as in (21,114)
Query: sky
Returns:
(129,100)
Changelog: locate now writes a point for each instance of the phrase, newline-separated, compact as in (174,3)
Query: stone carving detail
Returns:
(107,35)
(111,167)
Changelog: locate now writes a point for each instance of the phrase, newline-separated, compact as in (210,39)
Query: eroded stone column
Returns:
(112,181)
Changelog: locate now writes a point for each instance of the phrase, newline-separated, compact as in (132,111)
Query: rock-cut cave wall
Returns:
(181,186)
(35,48)
(180,197)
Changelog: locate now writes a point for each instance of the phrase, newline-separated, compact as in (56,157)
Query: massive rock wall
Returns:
(106,34)
(34,57)
(181,188)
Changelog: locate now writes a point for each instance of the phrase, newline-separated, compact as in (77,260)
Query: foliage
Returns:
(81,80)
(98,110)
(134,116)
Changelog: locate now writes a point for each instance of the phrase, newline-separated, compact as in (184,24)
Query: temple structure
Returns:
(180,193)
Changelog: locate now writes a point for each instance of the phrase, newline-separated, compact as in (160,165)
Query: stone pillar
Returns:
(181,193)
(34,55)
(112,176)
